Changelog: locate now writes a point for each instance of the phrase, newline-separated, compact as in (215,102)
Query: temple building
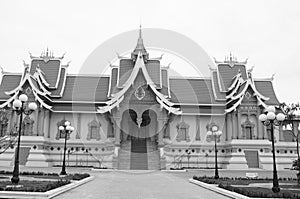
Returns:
(139,117)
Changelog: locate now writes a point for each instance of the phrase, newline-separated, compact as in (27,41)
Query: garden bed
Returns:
(289,189)
(37,181)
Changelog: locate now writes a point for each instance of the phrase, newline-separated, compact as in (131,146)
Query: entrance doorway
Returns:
(139,138)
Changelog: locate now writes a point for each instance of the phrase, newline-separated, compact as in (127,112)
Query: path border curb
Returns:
(45,195)
(218,190)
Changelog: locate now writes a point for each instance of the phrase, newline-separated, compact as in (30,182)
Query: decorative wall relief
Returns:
(93,130)
(27,126)
(139,93)
(3,122)
(248,129)
(78,126)
(198,127)
(182,132)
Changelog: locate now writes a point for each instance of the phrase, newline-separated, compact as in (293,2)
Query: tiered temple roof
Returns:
(59,91)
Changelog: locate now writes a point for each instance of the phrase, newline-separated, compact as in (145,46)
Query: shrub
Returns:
(79,176)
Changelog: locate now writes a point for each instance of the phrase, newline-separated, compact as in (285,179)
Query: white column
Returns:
(46,126)
(41,122)
(239,127)
(161,124)
(36,121)
(234,125)
(117,129)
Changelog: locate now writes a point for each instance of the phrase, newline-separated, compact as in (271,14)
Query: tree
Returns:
(292,121)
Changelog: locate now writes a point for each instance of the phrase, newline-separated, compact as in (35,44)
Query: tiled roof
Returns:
(75,107)
(164,81)
(50,68)
(266,89)
(113,80)
(194,91)
(153,68)
(125,69)
(85,88)
(216,86)
(62,78)
(226,73)
(202,110)
(9,82)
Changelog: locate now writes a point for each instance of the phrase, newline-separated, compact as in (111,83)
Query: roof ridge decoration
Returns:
(231,61)
(118,97)
(46,56)
(239,96)
(27,77)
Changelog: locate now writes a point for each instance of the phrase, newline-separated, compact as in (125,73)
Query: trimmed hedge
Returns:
(34,186)
(31,173)
(255,192)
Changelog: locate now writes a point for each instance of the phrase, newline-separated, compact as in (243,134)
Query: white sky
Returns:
(266,32)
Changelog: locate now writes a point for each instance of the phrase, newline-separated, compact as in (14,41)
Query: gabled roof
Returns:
(119,96)
(237,91)
(51,69)
(9,82)
(226,73)
(36,90)
(266,87)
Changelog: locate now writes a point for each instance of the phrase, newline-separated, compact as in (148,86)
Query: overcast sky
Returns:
(266,32)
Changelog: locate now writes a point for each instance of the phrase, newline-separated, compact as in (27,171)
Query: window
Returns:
(182,132)
(61,134)
(93,130)
(247,128)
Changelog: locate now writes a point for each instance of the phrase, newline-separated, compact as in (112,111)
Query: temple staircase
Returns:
(139,157)
(124,156)
(139,154)
(153,156)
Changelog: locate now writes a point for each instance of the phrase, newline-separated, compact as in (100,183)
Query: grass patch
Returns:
(232,184)
(40,185)
(240,180)
(33,186)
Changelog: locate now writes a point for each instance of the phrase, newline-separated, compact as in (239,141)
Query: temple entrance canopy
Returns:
(142,127)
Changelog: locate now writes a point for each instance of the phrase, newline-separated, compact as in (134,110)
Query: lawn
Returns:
(37,181)
(289,187)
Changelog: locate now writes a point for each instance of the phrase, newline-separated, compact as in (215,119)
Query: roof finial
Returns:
(140,33)
(140,46)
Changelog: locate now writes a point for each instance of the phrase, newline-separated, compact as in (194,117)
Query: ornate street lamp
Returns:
(19,105)
(270,119)
(66,128)
(215,134)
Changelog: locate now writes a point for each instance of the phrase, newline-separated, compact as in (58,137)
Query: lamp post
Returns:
(188,155)
(66,128)
(214,133)
(19,105)
(270,119)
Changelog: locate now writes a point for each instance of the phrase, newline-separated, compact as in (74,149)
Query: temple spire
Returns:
(140,47)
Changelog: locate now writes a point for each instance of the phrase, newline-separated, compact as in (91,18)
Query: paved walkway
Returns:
(118,184)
